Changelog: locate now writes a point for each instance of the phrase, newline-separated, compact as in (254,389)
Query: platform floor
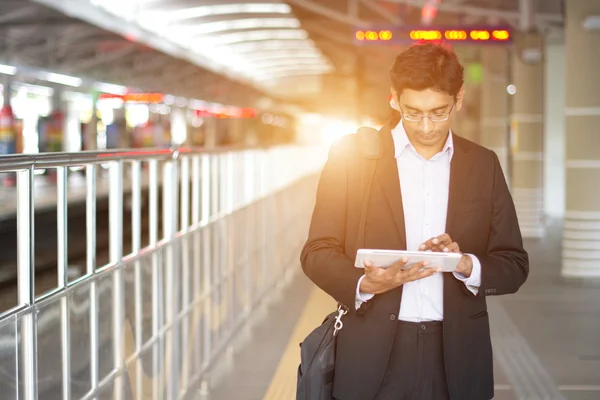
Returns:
(546,338)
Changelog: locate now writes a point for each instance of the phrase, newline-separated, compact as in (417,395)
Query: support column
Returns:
(469,120)
(494,104)
(581,234)
(210,133)
(527,132)
(90,136)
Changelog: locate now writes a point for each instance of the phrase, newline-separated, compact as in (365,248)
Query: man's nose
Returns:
(426,125)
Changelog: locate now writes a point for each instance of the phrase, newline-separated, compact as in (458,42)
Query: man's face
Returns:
(415,104)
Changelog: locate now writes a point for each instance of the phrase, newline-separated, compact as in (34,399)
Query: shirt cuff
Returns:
(472,282)
(361,297)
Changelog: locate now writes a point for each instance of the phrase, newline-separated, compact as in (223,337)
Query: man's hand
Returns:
(445,244)
(380,280)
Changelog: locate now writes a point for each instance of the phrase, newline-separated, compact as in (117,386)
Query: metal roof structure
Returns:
(47,45)
(258,43)
(332,23)
(232,51)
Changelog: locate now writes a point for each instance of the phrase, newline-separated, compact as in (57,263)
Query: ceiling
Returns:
(41,38)
(235,52)
(331,24)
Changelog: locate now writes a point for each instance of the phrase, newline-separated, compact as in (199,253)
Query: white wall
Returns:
(554,131)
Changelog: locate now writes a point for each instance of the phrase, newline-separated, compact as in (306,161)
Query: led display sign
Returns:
(455,34)
(134,97)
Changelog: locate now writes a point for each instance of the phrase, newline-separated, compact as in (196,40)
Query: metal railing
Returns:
(149,324)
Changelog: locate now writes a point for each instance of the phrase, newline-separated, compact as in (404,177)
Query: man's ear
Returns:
(394,100)
(459,98)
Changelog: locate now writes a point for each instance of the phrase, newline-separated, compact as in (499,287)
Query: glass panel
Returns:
(105,326)
(80,340)
(49,350)
(147,372)
(8,358)
(158,357)
(130,328)
(107,391)
(147,317)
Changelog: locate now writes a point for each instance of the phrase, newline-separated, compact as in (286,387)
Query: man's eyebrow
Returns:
(439,108)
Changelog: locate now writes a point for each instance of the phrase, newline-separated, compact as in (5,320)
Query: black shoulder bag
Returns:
(317,351)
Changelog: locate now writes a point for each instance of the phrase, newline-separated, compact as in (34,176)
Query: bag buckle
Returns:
(338,319)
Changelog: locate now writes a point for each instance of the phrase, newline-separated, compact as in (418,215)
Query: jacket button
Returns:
(392,317)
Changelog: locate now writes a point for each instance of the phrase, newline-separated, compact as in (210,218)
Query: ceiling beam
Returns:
(17,14)
(512,16)
(100,59)
(328,12)
(376,8)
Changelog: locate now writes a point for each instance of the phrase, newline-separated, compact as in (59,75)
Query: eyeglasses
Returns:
(439,117)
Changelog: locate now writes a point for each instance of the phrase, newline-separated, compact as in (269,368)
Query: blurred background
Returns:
(158,166)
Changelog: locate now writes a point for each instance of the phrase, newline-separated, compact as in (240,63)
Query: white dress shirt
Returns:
(424,185)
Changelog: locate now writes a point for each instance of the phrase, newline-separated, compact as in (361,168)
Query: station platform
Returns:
(546,337)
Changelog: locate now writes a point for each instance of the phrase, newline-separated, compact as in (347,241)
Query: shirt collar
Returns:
(401,142)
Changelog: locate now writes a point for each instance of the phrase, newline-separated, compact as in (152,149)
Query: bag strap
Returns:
(369,150)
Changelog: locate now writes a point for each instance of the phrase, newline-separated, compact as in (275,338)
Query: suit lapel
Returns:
(387,175)
(460,168)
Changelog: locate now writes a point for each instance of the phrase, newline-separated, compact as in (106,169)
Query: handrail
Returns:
(13,162)
(226,216)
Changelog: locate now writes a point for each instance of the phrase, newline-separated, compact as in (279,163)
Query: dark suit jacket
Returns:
(481,219)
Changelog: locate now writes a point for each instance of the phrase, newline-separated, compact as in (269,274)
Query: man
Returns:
(417,333)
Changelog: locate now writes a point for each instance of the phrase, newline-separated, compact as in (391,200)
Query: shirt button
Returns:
(392,317)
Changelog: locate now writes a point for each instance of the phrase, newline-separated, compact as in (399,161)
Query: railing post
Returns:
(116,255)
(171,268)
(157,286)
(91,270)
(136,245)
(209,191)
(26,281)
(185,271)
(63,268)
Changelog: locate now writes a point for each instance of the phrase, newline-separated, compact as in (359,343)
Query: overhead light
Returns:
(289,61)
(33,89)
(110,88)
(60,79)
(284,55)
(511,89)
(253,36)
(591,22)
(7,69)
(288,73)
(181,101)
(290,67)
(169,99)
(270,45)
(152,18)
(238,24)
(283,70)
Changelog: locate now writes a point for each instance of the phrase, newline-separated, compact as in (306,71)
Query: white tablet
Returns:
(384,258)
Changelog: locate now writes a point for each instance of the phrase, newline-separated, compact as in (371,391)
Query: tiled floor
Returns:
(546,337)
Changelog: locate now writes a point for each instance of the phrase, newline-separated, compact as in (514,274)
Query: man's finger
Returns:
(436,242)
(414,269)
(451,248)
(444,238)
(400,263)
(370,270)
(422,273)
